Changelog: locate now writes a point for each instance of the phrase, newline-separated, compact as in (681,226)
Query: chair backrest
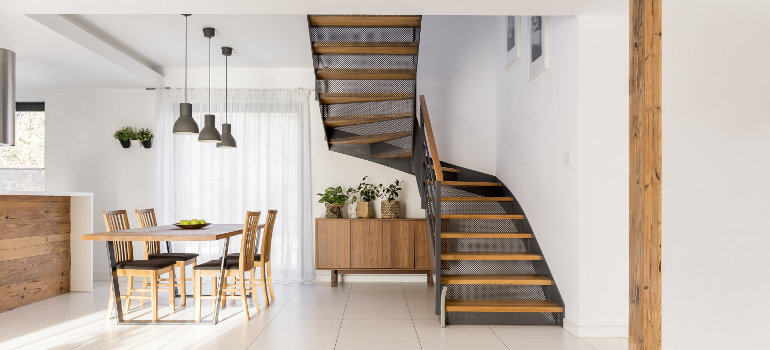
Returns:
(117,220)
(146,218)
(249,241)
(267,236)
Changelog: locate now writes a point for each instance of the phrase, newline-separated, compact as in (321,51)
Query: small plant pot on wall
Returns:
(333,211)
(147,144)
(390,209)
(125,143)
(145,137)
(364,210)
(125,135)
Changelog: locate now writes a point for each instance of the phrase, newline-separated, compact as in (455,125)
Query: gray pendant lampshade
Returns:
(228,141)
(209,132)
(185,124)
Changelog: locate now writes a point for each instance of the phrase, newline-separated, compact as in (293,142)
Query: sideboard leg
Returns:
(334,278)
(430,279)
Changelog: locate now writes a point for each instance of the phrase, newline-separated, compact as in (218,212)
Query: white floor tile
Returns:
(311,312)
(308,329)
(292,344)
(461,344)
(423,312)
(546,344)
(432,329)
(607,343)
(377,343)
(377,329)
(377,312)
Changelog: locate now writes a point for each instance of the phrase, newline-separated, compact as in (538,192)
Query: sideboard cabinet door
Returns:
(333,244)
(398,247)
(421,249)
(366,244)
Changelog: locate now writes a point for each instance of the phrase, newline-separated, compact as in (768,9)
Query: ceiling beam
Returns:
(98,44)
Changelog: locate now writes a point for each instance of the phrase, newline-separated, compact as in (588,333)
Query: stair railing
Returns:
(428,171)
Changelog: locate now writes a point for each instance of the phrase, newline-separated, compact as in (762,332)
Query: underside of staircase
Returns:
(487,261)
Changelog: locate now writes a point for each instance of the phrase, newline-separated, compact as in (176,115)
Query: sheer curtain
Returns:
(270,169)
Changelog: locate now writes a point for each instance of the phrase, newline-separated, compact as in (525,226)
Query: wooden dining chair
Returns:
(262,261)
(128,267)
(235,268)
(146,218)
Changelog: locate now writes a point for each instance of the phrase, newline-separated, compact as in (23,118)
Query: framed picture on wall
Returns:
(538,46)
(512,46)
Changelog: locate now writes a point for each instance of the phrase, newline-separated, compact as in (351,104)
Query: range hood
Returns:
(7,97)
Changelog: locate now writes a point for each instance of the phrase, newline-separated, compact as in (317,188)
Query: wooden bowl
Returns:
(192,227)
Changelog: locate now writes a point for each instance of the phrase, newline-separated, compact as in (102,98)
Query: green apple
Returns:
(201,221)
(184,222)
(194,222)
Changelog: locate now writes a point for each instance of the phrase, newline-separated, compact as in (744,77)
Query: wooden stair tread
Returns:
(449,170)
(472,183)
(528,280)
(477,199)
(399,154)
(366,74)
(485,235)
(483,216)
(363,139)
(364,48)
(363,21)
(502,306)
(490,256)
(335,98)
(363,119)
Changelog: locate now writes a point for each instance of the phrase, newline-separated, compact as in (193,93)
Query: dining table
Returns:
(167,233)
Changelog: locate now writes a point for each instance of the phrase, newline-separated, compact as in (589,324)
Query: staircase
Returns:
(486,258)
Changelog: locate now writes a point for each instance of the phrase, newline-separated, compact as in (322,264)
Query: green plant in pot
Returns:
(125,135)
(389,206)
(334,198)
(144,136)
(363,195)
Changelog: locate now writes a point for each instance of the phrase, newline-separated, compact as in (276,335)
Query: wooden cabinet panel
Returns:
(366,244)
(332,244)
(421,250)
(398,244)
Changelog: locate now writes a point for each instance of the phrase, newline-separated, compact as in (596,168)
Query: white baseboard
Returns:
(595,331)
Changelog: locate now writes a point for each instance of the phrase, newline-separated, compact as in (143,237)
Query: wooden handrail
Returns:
(431,139)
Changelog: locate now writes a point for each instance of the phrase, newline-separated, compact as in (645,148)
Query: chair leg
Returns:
(264,284)
(145,285)
(197,295)
(129,293)
(214,288)
(253,274)
(244,301)
(183,285)
(171,294)
(270,279)
(224,295)
(111,302)
(154,297)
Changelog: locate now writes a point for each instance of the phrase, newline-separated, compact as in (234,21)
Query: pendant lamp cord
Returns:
(226,88)
(209,75)
(185,58)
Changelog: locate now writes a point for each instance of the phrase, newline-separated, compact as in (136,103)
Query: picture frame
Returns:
(512,40)
(539,45)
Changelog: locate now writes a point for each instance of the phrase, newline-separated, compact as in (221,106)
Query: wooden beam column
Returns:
(645,175)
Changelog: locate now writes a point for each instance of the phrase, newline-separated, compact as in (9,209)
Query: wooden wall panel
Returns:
(398,244)
(645,163)
(332,244)
(34,249)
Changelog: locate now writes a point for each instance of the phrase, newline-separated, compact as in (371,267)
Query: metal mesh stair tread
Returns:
(484,216)
(476,199)
(502,306)
(335,98)
(364,139)
(363,21)
(530,280)
(364,48)
(485,235)
(470,183)
(397,154)
(363,119)
(366,74)
(490,256)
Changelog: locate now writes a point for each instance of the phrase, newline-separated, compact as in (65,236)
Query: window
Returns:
(22,166)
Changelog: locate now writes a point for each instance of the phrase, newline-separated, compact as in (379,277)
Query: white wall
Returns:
(455,74)
(716,135)
(562,149)
(81,154)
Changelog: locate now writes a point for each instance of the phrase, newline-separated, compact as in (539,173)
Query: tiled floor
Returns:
(309,316)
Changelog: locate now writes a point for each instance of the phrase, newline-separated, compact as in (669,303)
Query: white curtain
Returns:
(270,169)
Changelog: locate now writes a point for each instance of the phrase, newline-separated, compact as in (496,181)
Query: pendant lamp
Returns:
(228,141)
(185,124)
(209,132)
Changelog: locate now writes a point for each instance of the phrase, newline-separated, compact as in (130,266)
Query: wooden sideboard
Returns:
(370,246)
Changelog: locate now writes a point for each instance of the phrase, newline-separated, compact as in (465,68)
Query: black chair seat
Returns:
(238,255)
(215,265)
(154,264)
(174,256)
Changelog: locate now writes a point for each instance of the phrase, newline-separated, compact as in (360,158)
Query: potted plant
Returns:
(144,136)
(389,206)
(125,135)
(334,198)
(363,195)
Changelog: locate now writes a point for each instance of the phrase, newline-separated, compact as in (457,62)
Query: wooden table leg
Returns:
(334,278)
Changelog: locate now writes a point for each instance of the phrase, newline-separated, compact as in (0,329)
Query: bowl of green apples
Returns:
(192,224)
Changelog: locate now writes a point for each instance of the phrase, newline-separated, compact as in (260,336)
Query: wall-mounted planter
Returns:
(147,144)
(125,143)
